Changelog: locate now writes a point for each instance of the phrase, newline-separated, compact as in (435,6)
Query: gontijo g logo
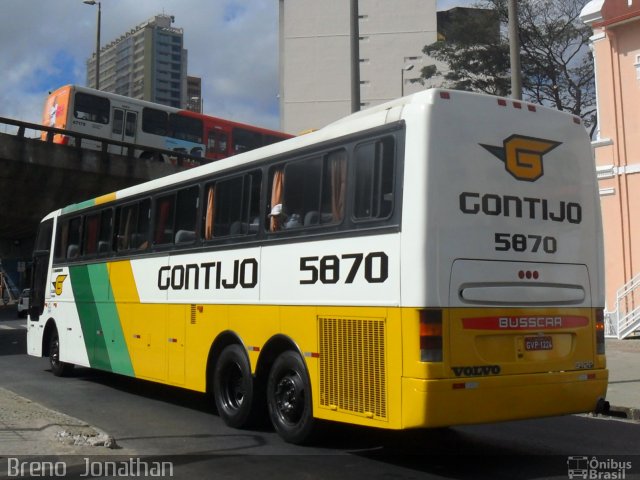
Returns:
(59,282)
(522,156)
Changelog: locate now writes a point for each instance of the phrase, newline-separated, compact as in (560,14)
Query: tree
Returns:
(557,65)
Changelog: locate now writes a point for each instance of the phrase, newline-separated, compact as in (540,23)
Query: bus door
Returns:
(124,126)
(217,144)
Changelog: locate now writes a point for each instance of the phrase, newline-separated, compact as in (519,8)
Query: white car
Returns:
(23,303)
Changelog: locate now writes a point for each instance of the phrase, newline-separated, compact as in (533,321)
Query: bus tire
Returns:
(58,368)
(233,387)
(289,398)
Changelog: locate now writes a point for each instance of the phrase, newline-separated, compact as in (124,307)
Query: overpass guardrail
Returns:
(181,159)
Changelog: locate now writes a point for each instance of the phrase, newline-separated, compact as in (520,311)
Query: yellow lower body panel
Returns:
(443,402)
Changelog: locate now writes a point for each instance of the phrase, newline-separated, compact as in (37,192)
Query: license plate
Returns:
(540,342)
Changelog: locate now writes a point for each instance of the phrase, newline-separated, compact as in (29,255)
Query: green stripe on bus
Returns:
(88,314)
(79,206)
(110,320)
(103,337)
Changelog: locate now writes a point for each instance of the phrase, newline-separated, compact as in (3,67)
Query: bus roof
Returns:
(365,119)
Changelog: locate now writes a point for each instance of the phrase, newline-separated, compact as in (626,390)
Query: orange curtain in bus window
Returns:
(208,220)
(338,170)
(275,222)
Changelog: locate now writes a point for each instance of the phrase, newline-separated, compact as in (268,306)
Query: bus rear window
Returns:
(91,108)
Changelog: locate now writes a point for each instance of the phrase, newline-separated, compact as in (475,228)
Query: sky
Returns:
(232,45)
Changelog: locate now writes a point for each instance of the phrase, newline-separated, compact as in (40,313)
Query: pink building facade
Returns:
(616,48)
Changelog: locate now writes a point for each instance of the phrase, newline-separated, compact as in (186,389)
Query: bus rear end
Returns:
(512,289)
(56,112)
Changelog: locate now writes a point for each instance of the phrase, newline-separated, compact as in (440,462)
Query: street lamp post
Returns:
(355,56)
(405,68)
(514,51)
(93,2)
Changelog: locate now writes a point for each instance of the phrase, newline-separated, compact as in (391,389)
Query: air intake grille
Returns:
(193,314)
(352,366)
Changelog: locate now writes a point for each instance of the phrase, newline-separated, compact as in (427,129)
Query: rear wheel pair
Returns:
(288,394)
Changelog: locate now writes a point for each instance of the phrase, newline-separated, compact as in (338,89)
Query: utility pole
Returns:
(355,57)
(514,49)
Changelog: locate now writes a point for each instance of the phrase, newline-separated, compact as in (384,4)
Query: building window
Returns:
(637,65)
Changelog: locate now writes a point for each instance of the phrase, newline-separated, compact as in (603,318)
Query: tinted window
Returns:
(176,216)
(245,140)
(91,231)
(163,229)
(308,192)
(186,214)
(43,240)
(217,141)
(185,128)
(232,206)
(133,226)
(68,239)
(91,108)
(154,121)
(374,178)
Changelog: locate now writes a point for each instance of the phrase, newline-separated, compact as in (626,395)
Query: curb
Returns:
(628,413)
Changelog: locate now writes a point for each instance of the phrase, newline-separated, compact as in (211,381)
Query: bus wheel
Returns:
(233,387)
(289,398)
(59,369)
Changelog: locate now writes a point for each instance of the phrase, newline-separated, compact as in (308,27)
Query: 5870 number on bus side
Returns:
(518,242)
(331,269)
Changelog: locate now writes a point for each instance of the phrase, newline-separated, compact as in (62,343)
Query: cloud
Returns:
(232,45)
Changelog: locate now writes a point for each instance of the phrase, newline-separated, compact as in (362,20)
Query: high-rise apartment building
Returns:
(315,56)
(194,94)
(148,62)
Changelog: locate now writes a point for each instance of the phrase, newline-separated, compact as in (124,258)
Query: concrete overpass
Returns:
(37,177)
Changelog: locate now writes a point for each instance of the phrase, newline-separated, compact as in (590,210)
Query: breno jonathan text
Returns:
(130,468)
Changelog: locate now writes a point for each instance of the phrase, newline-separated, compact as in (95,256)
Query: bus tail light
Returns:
(600,331)
(431,335)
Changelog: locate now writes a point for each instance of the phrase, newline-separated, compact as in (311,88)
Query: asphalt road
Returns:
(159,422)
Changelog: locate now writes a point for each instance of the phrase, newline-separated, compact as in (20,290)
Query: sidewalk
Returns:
(28,428)
(623,362)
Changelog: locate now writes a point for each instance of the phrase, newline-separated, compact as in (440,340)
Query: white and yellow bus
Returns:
(433,261)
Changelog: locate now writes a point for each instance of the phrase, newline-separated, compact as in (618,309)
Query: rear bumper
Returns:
(436,403)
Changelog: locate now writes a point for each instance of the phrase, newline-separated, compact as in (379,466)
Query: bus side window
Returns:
(62,239)
(163,224)
(245,140)
(154,121)
(217,142)
(232,206)
(97,233)
(228,207)
(133,228)
(185,128)
(91,108)
(73,247)
(374,179)
(90,233)
(186,215)
(105,235)
(308,192)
